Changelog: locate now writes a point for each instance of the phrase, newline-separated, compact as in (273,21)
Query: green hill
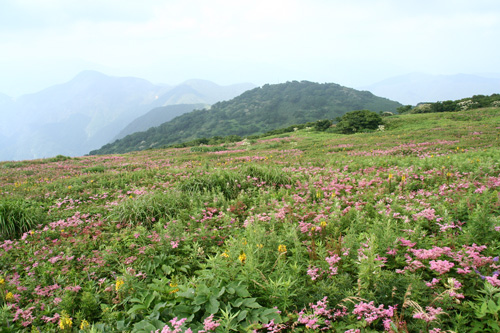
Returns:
(256,111)
(158,116)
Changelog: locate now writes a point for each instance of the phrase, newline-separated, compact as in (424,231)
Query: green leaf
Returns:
(136,308)
(242,315)
(242,291)
(187,294)
(144,326)
(492,307)
(149,299)
(167,269)
(237,303)
(213,305)
(251,303)
(200,299)
(221,292)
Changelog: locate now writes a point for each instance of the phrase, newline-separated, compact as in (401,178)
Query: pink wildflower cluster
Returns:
(370,313)
(209,324)
(316,272)
(441,266)
(176,327)
(25,315)
(429,315)
(320,318)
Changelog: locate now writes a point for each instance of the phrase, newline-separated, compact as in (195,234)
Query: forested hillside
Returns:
(256,111)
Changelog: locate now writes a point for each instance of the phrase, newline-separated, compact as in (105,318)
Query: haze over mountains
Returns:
(414,88)
(94,109)
(89,111)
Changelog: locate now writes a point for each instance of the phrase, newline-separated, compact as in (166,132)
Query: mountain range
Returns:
(254,112)
(89,111)
(94,109)
(414,88)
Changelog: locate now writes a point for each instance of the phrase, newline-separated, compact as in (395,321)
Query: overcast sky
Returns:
(353,43)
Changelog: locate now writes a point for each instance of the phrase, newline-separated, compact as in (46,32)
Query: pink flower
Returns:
(430,315)
(209,324)
(407,243)
(493,280)
(174,244)
(313,273)
(433,283)
(441,266)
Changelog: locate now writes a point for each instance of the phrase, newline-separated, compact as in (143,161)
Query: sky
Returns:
(353,43)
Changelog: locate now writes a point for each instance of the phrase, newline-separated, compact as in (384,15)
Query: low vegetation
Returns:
(395,230)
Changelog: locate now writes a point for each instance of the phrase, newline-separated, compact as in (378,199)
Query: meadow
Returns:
(389,231)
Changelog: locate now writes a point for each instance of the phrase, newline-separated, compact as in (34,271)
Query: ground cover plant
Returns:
(397,230)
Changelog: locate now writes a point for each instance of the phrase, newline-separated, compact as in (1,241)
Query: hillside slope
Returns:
(308,225)
(158,116)
(89,111)
(256,111)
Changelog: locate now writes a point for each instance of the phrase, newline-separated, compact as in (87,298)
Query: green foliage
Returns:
(255,112)
(486,309)
(358,121)
(322,125)
(16,217)
(148,208)
(474,102)
(403,223)
(404,109)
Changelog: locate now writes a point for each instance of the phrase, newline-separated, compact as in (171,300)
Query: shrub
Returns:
(357,121)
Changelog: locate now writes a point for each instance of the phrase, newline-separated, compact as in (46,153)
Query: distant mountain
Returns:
(256,111)
(4,99)
(411,89)
(87,112)
(158,116)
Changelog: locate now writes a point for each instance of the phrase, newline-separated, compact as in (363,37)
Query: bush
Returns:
(322,125)
(357,121)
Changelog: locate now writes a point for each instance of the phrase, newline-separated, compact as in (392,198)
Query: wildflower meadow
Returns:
(394,230)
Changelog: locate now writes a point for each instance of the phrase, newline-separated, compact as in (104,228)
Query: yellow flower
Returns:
(322,224)
(225,254)
(85,324)
(403,178)
(282,248)
(2,281)
(242,257)
(260,246)
(390,176)
(119,284)
(9,297)
(173,284)
(65,321)
(69,187)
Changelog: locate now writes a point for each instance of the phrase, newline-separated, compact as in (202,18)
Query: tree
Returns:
(356,121)
(322,125)
(404,109)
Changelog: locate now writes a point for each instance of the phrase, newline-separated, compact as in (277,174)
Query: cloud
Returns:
(322,40)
